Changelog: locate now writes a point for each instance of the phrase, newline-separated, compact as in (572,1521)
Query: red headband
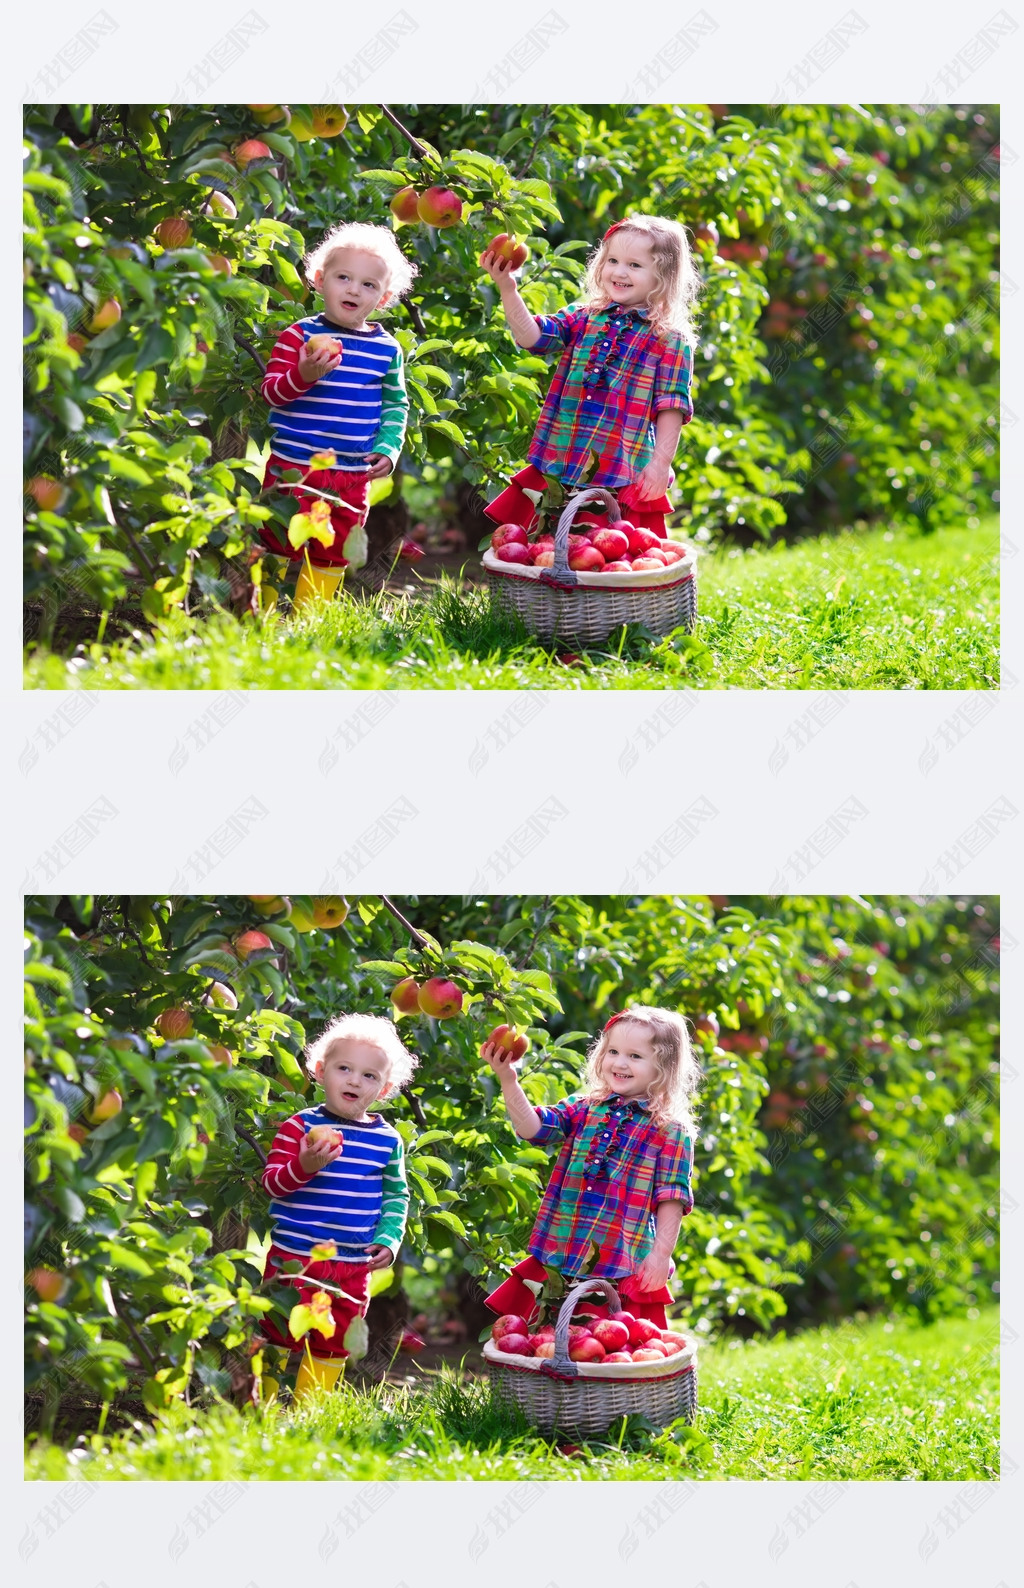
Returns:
(622,1015)
(612,228)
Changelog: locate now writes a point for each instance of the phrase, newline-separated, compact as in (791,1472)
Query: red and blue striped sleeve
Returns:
(282,383)
(673,1172)
(283,1174)
(562,329)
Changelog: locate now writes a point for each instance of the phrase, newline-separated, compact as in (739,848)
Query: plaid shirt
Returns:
(614,1168)
(614,376)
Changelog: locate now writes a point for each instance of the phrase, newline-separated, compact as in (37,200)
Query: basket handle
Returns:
(560,573)
(561,1363)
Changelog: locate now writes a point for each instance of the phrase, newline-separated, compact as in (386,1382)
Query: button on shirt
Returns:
(614,1168)
(639,374)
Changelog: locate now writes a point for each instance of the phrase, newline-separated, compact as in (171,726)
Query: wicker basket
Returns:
(557,603)
(587,1397)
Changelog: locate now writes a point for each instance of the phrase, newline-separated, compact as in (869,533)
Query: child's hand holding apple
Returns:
(322,1145)
(320,355)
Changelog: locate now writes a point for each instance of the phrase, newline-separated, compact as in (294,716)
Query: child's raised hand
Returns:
(319,361)
(499,1059)
(499,269)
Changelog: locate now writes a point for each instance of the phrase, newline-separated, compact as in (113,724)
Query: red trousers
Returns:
(354,490)
(352,1277)
(513,506)
(513,1295)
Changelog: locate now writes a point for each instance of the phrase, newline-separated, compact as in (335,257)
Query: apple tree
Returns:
(846,1152)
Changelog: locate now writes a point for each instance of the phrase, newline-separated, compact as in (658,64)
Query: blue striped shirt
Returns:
(358,408)
(359,1199)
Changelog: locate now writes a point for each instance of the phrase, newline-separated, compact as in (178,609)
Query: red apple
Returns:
(405,996)
(642,1331)
(325,1135)
(611,543)
(579,1331)
(107,314)
(544,559)
(442,999)
(47,1283)
(220,996)
(409,551)
(222,1054)
(577,543)
(174,1024)
(174,232)
(509,1040)
(514,551)
(673,1343)
(509,1323)
(515,1344)
(439,207)
(588,1350)
(508,248)
(618,1356)
(404,206)
(617,567)
(546,1348)
(643,564)
(411,1342)
(646,1354)
(251,149)
(47,492)
(545,1332)
(612,1334)
(640,540)
(220,204)
(589,560)
(509,532)
(316,344)
(251,942)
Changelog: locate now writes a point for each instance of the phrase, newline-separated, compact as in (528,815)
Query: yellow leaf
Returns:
(314,525)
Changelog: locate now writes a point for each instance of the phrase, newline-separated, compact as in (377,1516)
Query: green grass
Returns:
(871,610)
(873,1401)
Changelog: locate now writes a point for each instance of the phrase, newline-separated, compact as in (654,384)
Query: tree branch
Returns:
(417,1110)
(243,341)
(416,317)
(417,937)
(525,960)
(418,149)
(545,128)
(240,1130)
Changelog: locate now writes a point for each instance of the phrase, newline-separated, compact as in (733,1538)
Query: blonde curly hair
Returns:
(378,1032)
(375,240)
(678,1073)
(677,283)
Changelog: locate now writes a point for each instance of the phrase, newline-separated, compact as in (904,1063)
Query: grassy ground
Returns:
(855,611)
(872,1401)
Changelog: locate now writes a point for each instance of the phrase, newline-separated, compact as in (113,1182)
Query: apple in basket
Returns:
(514,551)
(672,1343)
(587,560)
(545,1332)
(611,543)
(587,1350)
(544,1348)
(508,1323)
(617,567)
(515,1344)
(645,564)
(611,1333)
(642,1331)
(544,559)
(646,1353)
(640,540)
(508,532)
(618,1356)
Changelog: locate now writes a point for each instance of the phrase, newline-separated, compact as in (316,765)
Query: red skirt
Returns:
(352,1277)
(514,1295)
(513,506)
(354,490)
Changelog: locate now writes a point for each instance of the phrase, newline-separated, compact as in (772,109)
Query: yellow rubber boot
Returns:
(316,584)
(317,1372)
